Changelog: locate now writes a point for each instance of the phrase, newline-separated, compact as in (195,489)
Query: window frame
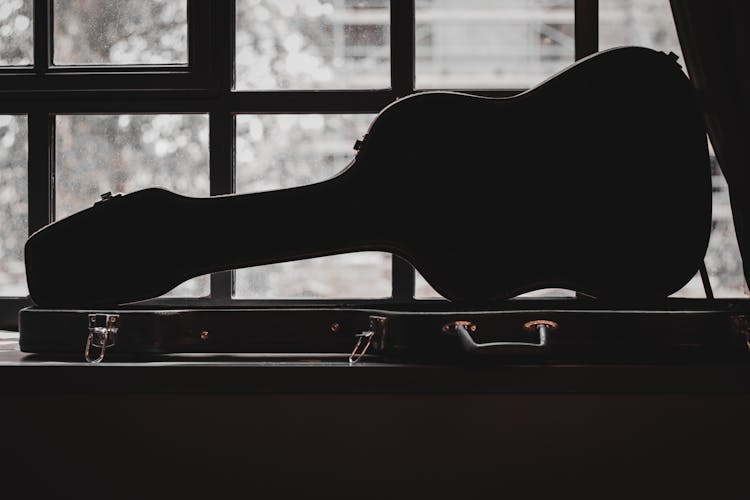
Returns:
(45,76)
(204,85)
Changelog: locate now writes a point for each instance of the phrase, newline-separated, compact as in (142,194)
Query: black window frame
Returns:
(204,85)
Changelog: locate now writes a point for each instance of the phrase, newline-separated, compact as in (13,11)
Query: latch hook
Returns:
(102,334)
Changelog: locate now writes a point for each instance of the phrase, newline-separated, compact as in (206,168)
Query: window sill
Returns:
(331,374)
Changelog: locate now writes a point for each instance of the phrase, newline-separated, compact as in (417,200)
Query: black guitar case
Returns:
(539,331)
(596,180)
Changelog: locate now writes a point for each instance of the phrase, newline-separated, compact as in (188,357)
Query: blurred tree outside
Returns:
(16,33)
(120,32)
(16,49)
(306,44)
(13,204)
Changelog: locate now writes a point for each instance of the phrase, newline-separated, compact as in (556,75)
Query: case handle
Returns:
(462,329)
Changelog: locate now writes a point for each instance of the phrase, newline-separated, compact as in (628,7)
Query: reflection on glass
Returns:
(282,151)
(472,44)
(95,154)
(120,31)
(16,32)
(312,44)
(13,204)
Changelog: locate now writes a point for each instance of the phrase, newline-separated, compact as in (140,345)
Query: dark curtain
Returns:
(714,40)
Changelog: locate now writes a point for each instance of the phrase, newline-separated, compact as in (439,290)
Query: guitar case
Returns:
(539,331)
(596,180)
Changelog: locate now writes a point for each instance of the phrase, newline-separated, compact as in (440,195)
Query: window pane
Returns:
(16,32)
(120,32)
(13,204)
(423,290)
(475,44)
(354,275)
(282,151)
(647,23)
(123,153)
(312,44)
(723,261)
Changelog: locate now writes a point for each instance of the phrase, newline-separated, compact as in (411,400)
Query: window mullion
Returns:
(41,169)
(222,125)
(42,36)
(402,46)
(586,24)
(586,28)
(200,27)
(221,128)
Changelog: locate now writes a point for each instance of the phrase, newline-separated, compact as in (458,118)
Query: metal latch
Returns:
(108,196)
(102,334)
(376,333)
(359,143)
(739,325)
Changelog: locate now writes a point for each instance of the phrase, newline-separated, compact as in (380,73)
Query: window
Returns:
(209,98)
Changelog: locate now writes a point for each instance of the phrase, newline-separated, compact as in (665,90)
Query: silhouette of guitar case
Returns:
(565,330)
(596,180)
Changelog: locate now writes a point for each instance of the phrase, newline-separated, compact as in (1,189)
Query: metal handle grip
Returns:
(469,346)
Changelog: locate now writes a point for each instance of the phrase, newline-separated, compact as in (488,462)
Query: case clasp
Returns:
(102,334)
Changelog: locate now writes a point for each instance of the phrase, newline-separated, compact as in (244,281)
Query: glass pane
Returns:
(120,32)
(122,153)
(359,275)
(282,151)
(472,44)
(423,290)
(16,32)
(723,261)
(312,44)
(647,23)
(13,204)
